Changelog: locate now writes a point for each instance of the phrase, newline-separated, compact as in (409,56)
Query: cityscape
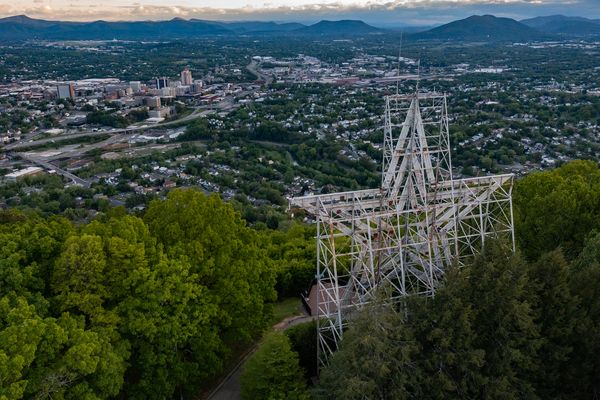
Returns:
(308,208)
(87,130)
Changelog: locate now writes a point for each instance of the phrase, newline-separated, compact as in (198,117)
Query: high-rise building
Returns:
(136,86)
(162,83)
(186,77)
(153,102)
(65,91)
(196,87)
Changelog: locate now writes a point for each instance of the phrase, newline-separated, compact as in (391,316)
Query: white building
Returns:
(29,171)
(186,77)
(136,86)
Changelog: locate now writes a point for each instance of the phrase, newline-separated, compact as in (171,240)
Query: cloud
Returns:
(414,12)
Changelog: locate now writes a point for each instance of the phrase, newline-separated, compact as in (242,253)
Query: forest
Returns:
(154,306)
(129,307)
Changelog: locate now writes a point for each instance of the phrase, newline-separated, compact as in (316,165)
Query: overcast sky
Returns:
(377,12)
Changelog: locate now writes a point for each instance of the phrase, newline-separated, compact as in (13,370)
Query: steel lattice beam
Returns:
(407,232)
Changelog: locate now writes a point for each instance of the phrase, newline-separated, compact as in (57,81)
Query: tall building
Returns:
(196,87)
(162,83)
(186,77)
(136,86)
(153,102)
(65,91)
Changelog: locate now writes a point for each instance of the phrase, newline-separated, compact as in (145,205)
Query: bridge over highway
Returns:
(116,135)
(48,166)
(200,112)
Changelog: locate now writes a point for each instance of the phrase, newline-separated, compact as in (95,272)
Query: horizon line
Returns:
(267,20)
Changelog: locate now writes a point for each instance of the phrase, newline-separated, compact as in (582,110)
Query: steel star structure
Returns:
(403,235)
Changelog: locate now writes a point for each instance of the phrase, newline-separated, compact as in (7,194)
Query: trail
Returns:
(229,388)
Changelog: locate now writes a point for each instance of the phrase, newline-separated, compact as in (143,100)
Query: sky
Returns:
(376,12)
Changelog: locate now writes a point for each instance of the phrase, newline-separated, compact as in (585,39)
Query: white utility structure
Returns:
(403,235)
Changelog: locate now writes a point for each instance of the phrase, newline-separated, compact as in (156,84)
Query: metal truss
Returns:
(403,235)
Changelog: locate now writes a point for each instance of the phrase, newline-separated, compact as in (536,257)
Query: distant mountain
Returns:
(560,24)
(24,20)
(342,28)
(259,26)
(24,28)
(482,28)
(21,27)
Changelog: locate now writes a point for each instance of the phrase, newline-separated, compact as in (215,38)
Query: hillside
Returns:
(343,27)
(560,24)
(25,28)
(260,26)
(482,28)
(22,27)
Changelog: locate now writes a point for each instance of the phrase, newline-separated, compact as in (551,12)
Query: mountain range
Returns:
(338,27)
(482,28)
(475,28)
(560,24)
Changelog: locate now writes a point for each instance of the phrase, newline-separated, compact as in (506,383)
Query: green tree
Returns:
(557,316)
(79,274)
(303,339)
(376,360)
(496,285)
(21,331)
(55,358)
(557,208)
(584,367)
(168,322)
(273,373)
(477,338)
(223,252)
(451,360)
(76,363)
(294,254)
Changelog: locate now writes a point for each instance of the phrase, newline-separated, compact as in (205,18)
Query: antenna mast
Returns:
(399,57)
(418,74)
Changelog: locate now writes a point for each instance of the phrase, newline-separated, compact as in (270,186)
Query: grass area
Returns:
(285,308)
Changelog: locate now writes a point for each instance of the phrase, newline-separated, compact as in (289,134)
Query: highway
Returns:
(253,69)
(200,112)
(48,166)
(116,135)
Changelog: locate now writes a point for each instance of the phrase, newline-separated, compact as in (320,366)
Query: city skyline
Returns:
(376,12)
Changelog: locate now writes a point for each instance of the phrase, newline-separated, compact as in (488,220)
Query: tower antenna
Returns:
(403,235)
(399,57)
(418,74)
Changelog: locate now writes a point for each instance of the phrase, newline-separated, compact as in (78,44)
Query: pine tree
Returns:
(376,360)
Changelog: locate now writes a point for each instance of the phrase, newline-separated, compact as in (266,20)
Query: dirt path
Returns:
(229,388)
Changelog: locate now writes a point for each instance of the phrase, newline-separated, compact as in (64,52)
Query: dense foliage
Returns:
(510,326)
(105,118)
(501,328)
(273,372)
(558,207)
(128,307)
(152,307)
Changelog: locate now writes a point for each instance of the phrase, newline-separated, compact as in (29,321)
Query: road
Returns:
(224,105)
(74,151)
(116,135)
(253,69)
(49,166)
